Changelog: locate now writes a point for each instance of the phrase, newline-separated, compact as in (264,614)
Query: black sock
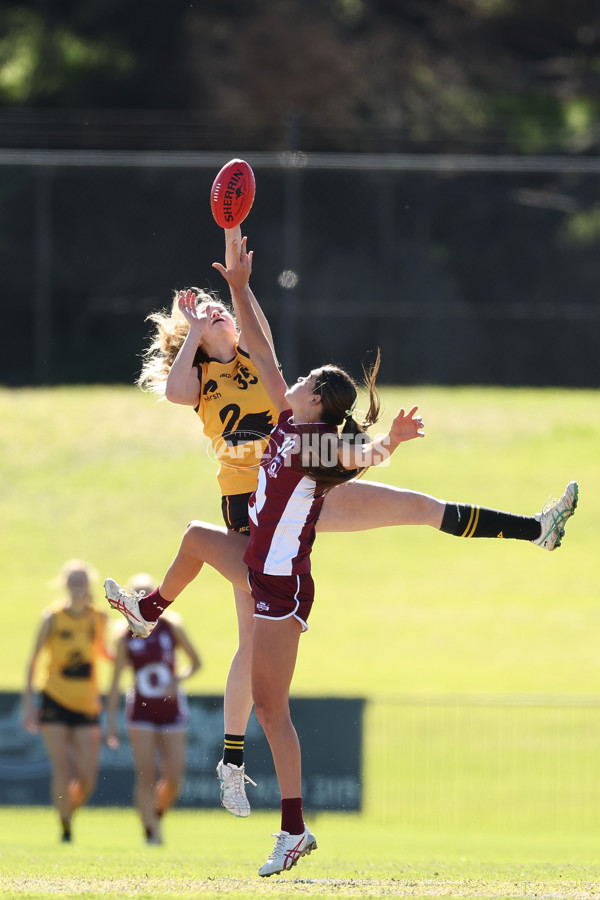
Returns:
(467,521)
(233,752)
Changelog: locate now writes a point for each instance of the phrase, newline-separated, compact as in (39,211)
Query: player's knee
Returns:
(197,534)
(87,785)
(269,715)
(192,538)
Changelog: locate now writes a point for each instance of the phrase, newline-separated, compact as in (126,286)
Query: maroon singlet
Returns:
(285,506)
(153,662)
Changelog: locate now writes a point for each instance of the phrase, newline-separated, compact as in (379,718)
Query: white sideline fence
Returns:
(481,762)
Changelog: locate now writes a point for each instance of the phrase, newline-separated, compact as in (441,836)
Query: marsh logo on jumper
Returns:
(210,392)
(243,439)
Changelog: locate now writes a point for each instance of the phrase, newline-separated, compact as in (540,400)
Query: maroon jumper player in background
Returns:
(156,712)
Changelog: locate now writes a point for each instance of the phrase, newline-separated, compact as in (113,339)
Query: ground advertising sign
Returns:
(330,731)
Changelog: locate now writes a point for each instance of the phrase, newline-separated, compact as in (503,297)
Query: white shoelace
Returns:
(131,594)
(281,837)
(238,777)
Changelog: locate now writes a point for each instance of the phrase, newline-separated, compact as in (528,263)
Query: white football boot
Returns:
(287,851)
(233,788)
(554,517)
(127,602)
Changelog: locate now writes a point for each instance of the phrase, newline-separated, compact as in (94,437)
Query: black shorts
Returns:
(235,512)
(53,713)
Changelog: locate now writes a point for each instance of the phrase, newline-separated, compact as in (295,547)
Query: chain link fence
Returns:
(463,269)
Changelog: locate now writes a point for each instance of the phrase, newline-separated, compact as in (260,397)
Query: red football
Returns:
(232,193)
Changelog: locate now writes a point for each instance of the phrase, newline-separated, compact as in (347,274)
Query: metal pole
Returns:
(289,276)
(42,337)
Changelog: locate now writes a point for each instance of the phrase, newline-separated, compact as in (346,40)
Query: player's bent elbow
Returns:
(173,395)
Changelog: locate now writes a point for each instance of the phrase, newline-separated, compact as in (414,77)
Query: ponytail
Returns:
(339,395)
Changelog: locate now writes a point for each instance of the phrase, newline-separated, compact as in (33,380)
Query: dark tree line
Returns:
(458,278)
(376,75)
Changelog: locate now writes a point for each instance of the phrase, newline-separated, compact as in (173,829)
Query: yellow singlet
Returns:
(238,417)
(74,646)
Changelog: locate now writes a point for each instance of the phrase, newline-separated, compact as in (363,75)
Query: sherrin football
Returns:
(232,193)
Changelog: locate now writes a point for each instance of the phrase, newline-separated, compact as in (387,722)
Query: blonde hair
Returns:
(170,331)
(70,568)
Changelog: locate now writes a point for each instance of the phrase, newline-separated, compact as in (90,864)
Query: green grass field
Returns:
(210,853)
(409,618)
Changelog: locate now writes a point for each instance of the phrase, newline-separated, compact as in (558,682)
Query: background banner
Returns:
(330,731)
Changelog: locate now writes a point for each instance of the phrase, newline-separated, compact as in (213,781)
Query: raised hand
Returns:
(29,721)
(112,740)
(407,426)
(187,305)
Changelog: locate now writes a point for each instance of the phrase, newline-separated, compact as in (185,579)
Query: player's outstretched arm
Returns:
(233,240)
(29,718)
(405,427)
(237,276)
(182,384)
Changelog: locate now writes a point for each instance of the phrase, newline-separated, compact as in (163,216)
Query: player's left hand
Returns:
(30,723)
(407,426)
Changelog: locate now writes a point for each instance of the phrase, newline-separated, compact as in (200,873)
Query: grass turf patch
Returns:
(213,853)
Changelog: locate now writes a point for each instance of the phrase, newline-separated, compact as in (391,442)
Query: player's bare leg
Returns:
(238,692)
(202,543)
(172,750)
(56,739)
(86,743)
(74,754)
(237,706)
(363,505)
(275,652)
(143,745)
(212,544)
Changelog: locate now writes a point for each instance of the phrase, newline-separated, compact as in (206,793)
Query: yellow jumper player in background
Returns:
(73,635)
